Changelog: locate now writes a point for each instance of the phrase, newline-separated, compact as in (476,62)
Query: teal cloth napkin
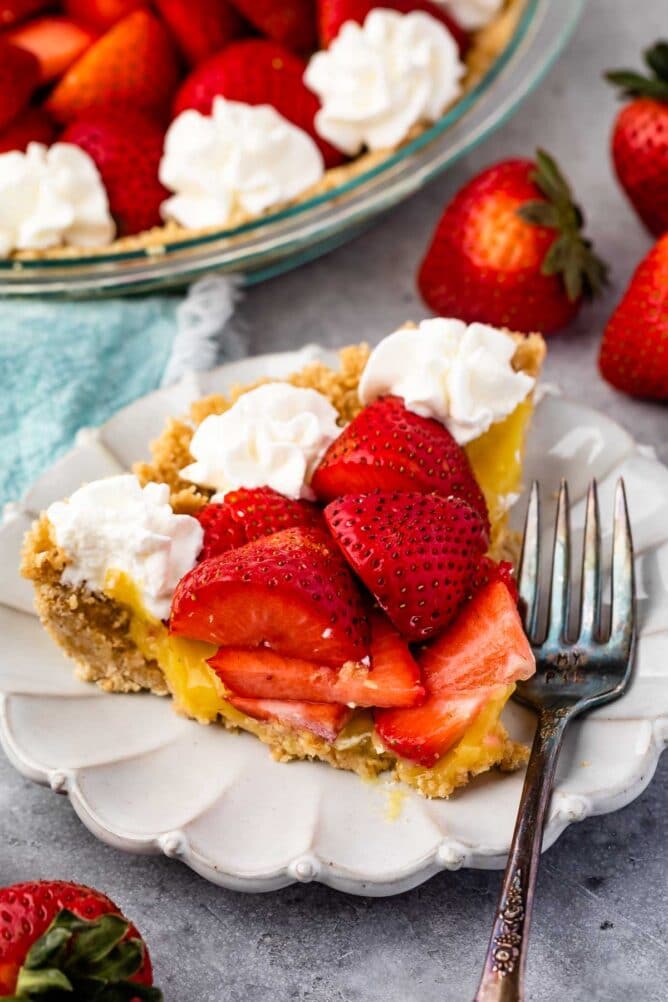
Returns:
(68,365)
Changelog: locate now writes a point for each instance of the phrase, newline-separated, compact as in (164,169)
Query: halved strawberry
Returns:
(290,22)
(56,42)
(325,720)
(489,570)
(251,513)
(133,65)
(257,71)
(32,125)
(484,650)
(101,14)
(392,679)
(201,27)
(416,553)
(13,11)
(19,76)
(389,448)
(332,14)
(290,591)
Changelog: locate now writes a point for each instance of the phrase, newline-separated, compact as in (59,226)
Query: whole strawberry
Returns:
(634,351)
(116,139)
(63,940)
(640,138)
(509,250)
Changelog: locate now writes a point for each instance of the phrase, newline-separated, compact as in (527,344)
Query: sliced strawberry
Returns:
(116,138)
(201,27)
(389,448)
(222,532)
(56,42)
(257,71)
(392,679)
(290,591)
(290,22)
(325,720)
(490,570)
(425,733)
(19,76)
(101,14)
(133,65)
(14,11)
(484,650)
(416,553)
(30,126)
(332,14)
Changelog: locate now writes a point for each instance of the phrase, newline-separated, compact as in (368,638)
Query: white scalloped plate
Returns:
(144,780)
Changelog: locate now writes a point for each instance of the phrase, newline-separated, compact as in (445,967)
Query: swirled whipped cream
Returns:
(273,436)
(51,196)
(115,524)
(240,156)
(462,376)
(377,80)
(472,14)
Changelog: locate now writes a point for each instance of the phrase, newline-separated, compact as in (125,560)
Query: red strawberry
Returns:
(290,591)
(257,71)
(134,64)
(634,350)
(489,570)
(56,42)
(392,679)
(201,27)
(126,146)
(101,14)
(19,76)
(509,251)
(640,138)
(31,126)
(389,448)
(416,553)
(13,11)
(484,649)
(325,720)
(90,942)
(333,13)
(222,532)
(290,22)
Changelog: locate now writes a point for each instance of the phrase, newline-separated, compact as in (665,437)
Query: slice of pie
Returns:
(323,561)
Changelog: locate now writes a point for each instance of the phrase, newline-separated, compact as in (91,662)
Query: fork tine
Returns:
(560,583)
(622,620)
(590,589)
(527,577)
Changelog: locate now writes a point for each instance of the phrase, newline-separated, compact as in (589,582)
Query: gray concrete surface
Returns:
(602,913)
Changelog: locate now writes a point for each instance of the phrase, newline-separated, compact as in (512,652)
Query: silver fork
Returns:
(573,676)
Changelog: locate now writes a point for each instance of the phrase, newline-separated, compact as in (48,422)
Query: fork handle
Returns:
(503,975)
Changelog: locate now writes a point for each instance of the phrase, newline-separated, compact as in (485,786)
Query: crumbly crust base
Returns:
(487,45)
(95,631)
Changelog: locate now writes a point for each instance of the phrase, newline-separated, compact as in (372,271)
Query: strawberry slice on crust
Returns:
(325,720)
(248,514)
(291,592)
(389,448)
(392,678)
(484,650)
(332,15)
(416,553)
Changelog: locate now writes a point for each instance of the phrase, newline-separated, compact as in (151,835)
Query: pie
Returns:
(322,561)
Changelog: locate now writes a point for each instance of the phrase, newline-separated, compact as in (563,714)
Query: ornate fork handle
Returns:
(503,974)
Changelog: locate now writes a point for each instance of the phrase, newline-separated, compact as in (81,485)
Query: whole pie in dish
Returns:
(130,126)
(323,561)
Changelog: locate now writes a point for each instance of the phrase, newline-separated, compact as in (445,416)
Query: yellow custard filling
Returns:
(198,693)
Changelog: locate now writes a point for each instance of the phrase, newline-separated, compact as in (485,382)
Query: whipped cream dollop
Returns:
(377,80)
(273,436)
(472,14)
(461,375)
(52,196)
(240,155)
(115,524)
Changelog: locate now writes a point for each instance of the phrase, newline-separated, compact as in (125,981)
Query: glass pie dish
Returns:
(284,239)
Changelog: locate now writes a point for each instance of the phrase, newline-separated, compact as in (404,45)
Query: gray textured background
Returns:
(602,914)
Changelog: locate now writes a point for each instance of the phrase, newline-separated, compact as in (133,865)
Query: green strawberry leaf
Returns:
(655,85)
(657,59)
